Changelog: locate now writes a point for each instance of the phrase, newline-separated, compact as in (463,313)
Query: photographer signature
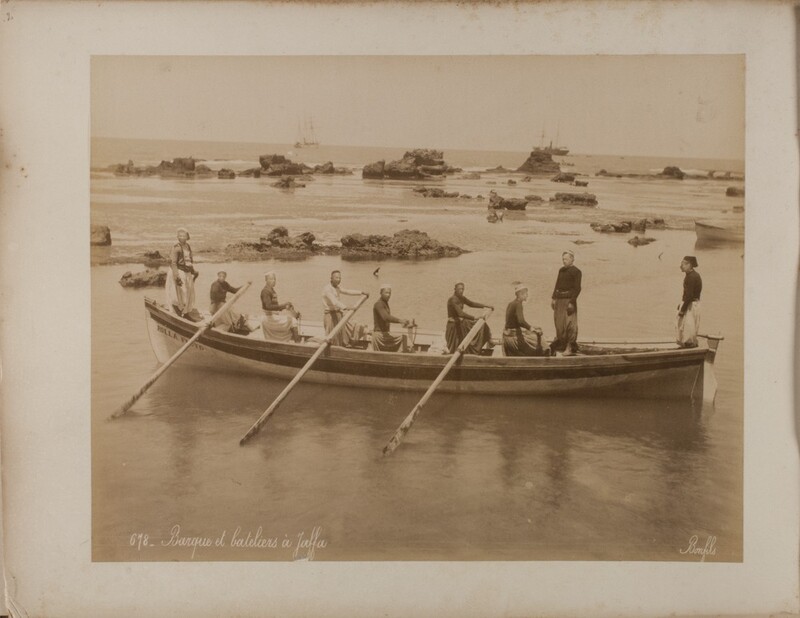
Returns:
(709,549)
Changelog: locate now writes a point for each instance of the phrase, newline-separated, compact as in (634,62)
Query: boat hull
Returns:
(668,374)
(714,234)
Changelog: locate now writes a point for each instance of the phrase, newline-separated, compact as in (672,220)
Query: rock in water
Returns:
(415,164)
(575,199)
(563,177)
(144,279)
(373,170)
(434,192)
(638,242)
(287,182)
(539,163)
(100,235)
(404,244)
(734,192)
(227,174)
(513,203)
(672,171)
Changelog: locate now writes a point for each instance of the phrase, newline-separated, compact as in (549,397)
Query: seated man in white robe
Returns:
(280,319)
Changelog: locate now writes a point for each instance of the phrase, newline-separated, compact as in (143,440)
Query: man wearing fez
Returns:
(460,323)
(689,309)
(382,339)
(219,293)
(280,319)
(519,337)
(333,311)
(565,305)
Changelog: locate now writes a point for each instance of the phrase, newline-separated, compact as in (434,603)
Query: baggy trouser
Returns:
(566,326)
(688,325)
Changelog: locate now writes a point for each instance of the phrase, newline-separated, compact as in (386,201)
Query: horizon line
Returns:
(443,149)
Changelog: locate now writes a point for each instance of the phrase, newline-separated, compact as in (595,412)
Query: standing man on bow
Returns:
(689,309)
(565,305)
(180,286)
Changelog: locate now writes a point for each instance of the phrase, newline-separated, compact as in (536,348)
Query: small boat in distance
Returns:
(307,137)
(710,234)
(645,369)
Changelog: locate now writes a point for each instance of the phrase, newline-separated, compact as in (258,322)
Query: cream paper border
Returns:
(45,48)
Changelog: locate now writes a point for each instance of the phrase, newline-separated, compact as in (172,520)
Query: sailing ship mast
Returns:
(306,136)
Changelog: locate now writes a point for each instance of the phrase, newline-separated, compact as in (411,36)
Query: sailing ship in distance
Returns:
(550,149)
(306,136)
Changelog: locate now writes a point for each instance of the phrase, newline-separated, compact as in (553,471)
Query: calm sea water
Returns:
(478,478)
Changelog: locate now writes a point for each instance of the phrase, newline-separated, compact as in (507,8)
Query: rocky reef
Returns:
(287,182)
(403,244)
(563,177)
(434,192)
(574,199)
(280,244)
(143,279)
(188,167)
(673,172)
(625,227)
(99,235)
(416,164)
(539,163)
(639,242)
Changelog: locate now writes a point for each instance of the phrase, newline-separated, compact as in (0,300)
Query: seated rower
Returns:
(460,323)
(519,337)
(382,339)
(333,312)
(219,294)
(280,320)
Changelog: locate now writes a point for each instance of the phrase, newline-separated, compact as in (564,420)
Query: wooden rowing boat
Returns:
(708,233)
(659,370)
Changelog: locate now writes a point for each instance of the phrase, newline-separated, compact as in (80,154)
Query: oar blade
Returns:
(323,346)
(401,432)
(200,330)
(398,436)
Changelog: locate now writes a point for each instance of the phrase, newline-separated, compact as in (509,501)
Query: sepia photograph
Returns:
(417,308)
(399,309)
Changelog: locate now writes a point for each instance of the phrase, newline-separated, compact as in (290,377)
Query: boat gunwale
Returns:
(372,357)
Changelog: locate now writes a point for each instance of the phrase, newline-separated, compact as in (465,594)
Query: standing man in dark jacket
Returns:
(565,305)
(689,309)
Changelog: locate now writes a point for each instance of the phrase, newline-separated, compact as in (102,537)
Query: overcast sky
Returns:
(691,106)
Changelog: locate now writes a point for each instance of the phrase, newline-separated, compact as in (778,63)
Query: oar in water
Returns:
(322,347)
(409,420)
(203,328)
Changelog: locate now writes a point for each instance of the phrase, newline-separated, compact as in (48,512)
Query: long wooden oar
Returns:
(203,328)
(409,420)
(323,346)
